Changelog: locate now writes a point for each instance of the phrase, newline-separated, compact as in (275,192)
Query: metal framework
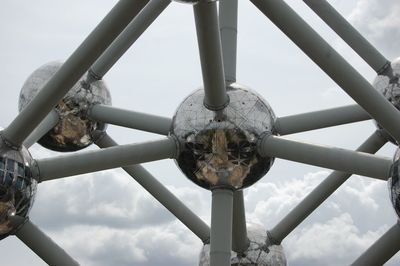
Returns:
(217,38)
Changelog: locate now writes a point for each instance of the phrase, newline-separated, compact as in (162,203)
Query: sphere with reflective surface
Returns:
(390,88)
(258,254)
(74,130)
(17,185)
(220,148)
(394,183)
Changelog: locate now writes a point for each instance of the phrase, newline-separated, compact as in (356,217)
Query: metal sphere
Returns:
(394,184)
(258,254)
(220,148)
(74,130)
(17,185)
(390,88)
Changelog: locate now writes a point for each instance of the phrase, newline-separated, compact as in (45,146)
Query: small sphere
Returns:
(219,148)
(394,183)
(74,129)
(390,88)
(17,185)
(258,254)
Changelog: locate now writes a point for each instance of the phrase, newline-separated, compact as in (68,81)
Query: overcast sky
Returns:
(107,219)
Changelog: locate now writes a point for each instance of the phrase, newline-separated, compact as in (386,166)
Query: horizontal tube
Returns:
(163,195)
(351,162)
(91,161)
(130,119)
(320,119)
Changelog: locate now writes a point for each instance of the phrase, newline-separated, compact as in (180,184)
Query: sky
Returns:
(106,218)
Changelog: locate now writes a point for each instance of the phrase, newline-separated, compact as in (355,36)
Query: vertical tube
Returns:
(209,41)
(240,242)
(72,70)
(349,34)
(228,19)
(382,250)
(221,227)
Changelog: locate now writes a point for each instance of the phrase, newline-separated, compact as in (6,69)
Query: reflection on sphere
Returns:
(394,184)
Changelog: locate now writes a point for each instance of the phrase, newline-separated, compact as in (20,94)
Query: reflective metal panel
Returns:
(394,184)
(390,88)
(17,185)
(220,148)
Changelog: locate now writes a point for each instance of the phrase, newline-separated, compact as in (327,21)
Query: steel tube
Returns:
(43,246)
(382,250)
(72,70)
(130,119)
(320,193)
(320,119)
(228,19)
(209,41)
(221,227)
(50,121)
(91,161)
(240,242)
(332,63)
(349,34)
(163,195)
(351,162)
(128,37)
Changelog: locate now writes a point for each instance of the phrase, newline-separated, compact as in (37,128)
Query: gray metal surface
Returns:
(163,195)
(43,246)
(131,119)
(45,126)
(228,20)
(349,34)
(127,37)
(221,227)
(382,250)
(92,161)
(240,242)
(320,119)
(328,157)
(320,193)
(209,41)
(72,70)
(332,63)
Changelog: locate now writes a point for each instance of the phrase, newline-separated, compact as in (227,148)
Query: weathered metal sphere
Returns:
(258,254)
(17,185)
(394,183)
(220,148)
(74,130)
(390,88)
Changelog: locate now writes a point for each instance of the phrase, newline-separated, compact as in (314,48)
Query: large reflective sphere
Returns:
(17,186)
(220,149)
(394,184)
(74,130)
(390,88)
(258,254)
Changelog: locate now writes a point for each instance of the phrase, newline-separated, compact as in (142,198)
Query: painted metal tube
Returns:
(163,195)
(50,121)
(130,119)
(320,119)
(91,161)
(332,63)
(349,34)
(72,70)
(240,242)
(228,20)
(316,197)
(382,250)
(209,41)
(351,162)
(43,246)
(128,37)
(221,227)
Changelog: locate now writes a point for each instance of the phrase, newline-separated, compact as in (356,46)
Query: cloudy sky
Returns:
(107,219)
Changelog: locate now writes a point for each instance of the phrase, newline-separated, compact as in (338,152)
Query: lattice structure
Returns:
(224,138)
